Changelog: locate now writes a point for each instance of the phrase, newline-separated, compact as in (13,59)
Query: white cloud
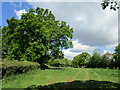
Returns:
(112,47)
(100,28)
(68,54)
(79,18)
(20,12)
(93,27)
(77,49)
(105,51)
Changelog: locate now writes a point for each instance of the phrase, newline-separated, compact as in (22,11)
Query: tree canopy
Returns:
(81,59)
(97,60)
(37,36)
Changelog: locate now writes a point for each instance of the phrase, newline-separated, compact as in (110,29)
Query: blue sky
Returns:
(93,27)
(8,10)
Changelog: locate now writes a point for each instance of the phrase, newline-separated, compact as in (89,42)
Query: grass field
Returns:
(65,78)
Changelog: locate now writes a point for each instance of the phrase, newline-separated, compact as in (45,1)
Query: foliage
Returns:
(81,59)
(94,60)
(63,62)
(113,4)
(17,67)
(117,56)
(74,63)
(112,64)
(105,60)
(37,36)
(98,60)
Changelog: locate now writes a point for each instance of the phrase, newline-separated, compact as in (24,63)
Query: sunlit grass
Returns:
(55,75)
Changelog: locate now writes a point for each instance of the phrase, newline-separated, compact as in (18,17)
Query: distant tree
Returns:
(113,4)
(67,62)
(112,64)
(117,56)
(82,59)
(35,37)
(74,63)
(63,62)
(105,60)
(86,56)
(95,60)
(79,59)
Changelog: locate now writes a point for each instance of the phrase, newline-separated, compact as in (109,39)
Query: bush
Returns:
(63,62)
(17,67)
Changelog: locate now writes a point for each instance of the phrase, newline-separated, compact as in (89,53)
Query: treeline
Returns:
(93,61)
(97,60)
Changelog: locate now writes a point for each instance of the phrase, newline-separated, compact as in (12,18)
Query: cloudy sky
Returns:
(94,28)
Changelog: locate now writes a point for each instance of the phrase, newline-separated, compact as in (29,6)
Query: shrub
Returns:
(63,62)
(17,67)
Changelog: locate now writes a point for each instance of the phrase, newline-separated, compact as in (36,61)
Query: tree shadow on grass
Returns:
(56,68)
(81,85)
(53,68)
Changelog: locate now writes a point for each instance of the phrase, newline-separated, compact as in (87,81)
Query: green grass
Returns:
(63,76)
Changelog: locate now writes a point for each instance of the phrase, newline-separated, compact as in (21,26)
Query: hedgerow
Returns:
(17,67)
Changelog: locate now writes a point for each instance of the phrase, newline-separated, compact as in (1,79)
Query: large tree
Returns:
(36,36)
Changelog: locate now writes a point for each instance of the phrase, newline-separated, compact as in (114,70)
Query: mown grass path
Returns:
(87,75)
(60,75)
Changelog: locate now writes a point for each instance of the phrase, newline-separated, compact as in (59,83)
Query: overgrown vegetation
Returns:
(17,67)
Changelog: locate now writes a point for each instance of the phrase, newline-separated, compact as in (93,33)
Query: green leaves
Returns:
(117,56)
(59,62)
(81,59)
(34,35)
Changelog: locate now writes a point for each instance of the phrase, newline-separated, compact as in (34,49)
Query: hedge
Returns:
(17,67)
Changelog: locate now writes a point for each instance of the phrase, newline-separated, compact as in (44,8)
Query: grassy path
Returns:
(60,75)
(72,79)
(87,75)
(97,75)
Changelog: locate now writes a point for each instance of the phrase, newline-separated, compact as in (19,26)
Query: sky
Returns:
(94,28)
